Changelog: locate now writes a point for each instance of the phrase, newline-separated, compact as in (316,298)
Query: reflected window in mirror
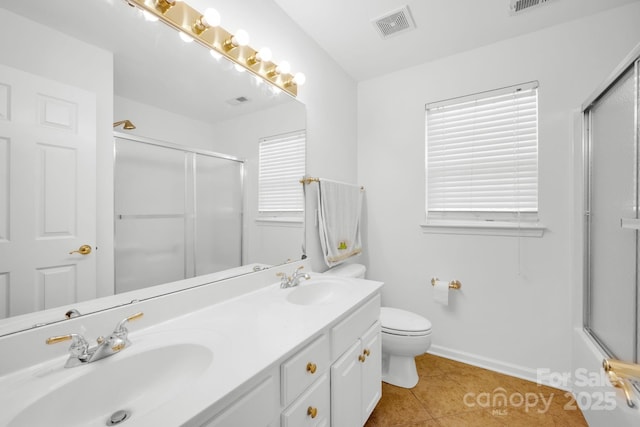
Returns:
(281,165)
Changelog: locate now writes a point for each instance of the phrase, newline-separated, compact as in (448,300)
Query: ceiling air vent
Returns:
(394,23)
(238,101)
(517,6)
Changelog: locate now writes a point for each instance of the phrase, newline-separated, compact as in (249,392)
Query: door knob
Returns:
(82,250)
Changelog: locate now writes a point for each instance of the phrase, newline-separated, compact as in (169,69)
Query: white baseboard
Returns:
(491,364)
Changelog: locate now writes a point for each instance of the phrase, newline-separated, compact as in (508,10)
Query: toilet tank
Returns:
(348,270)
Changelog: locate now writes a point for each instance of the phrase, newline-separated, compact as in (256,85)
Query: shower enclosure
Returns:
(612,260)
(178,212)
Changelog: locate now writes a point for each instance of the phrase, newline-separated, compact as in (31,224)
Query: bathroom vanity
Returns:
(243,352)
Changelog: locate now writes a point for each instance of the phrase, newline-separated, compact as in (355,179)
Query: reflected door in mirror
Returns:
(47,193)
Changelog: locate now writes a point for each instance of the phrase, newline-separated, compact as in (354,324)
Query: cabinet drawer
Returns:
(304,368)
(344,334)
(313,408)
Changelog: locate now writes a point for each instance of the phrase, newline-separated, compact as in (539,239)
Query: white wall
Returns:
(514,310)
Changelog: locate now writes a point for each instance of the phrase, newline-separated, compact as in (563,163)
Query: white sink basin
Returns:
(135,380)
(317,291)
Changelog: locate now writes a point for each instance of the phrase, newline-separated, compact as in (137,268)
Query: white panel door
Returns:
(47,193)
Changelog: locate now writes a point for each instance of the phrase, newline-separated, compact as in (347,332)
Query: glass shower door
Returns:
(613,206)
(178,213)
(218,220)
(150,215)
(612,263)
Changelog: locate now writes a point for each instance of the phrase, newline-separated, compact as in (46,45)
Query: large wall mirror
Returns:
(178,96)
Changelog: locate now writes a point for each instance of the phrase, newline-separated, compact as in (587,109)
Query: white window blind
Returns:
(482,153)
(281,161)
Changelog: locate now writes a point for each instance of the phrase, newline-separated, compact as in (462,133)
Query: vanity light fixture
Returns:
(210,19)
(263,55)
(283,68)
(240,38)
(149,17)
(185,37)
(164,5)
(298,79)
(205,29)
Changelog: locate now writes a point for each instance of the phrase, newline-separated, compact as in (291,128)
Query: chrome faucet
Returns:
(80,352)
(294,279)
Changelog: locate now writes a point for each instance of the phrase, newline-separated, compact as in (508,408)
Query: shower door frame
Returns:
(602,404)
(188,150)
(631,62)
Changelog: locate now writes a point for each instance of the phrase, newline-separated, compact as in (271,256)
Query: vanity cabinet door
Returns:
(346,389)
(371,370)
(356,380)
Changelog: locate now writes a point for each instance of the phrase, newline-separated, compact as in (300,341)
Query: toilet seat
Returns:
(395,321)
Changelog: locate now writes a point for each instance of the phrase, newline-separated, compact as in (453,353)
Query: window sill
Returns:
(288,221)
(483,228)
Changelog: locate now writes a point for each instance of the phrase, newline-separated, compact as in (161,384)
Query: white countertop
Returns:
(247,334)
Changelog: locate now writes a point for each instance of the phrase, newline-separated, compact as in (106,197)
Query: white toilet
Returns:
(405,335)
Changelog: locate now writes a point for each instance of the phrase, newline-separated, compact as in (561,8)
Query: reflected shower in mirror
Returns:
(177,95)
(178,213)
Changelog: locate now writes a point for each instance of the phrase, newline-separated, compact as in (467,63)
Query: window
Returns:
(482,156)
(281,165)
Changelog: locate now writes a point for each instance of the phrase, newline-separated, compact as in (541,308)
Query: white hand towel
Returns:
(339,211)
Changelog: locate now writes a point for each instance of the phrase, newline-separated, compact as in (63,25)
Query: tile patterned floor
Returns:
(454,394)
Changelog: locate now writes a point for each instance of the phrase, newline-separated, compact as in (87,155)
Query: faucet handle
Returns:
(79,346)
(120,327)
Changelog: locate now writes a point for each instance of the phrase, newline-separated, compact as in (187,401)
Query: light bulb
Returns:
(185,37)
(283,68)
(239,68)
(264,54)
(241,38)
(299,79)
(149,17)
(210,18)
(215,54)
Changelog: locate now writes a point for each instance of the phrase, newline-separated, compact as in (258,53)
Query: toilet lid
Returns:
(402,322)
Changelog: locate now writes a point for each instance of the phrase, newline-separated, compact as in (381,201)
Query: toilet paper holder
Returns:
(454,284)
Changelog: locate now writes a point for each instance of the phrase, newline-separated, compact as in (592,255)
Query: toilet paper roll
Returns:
(441,292)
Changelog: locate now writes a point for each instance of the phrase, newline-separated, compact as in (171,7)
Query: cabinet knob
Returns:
(366,352)
(312,412)
(311,368)
(362,358)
